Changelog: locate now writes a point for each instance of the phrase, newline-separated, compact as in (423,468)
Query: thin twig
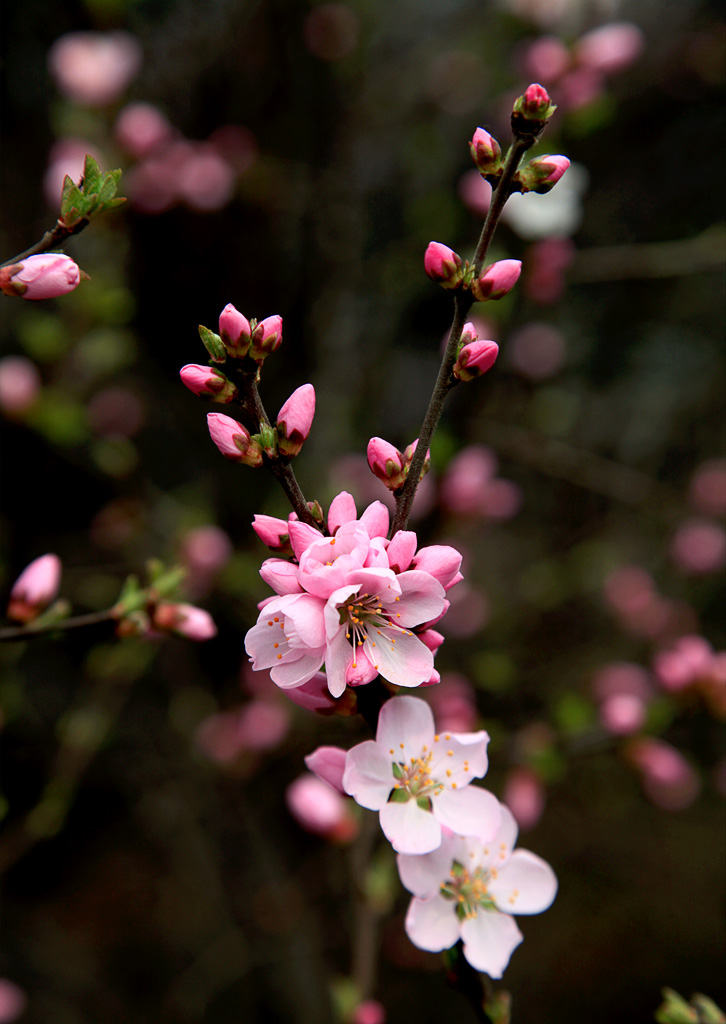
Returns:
(30,632)
(51,240)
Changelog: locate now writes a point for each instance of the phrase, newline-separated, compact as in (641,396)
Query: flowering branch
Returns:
(52,239)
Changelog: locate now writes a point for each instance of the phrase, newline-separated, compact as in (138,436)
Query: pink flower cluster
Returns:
(352,600)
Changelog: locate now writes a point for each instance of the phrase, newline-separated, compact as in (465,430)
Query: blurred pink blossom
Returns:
(185,619)
(669,781)
(236,144)
(690,658)
(698,547)
(19,384)
(369,1011)
(35,588)
(545,59)
(525,797)
(66,157)
(537,350)
(707,491)
(320,809)
(623,714)
(475,193)
(93,68)
(115,412)
(331,31)
(204,551)
(204,179)
(470,608)
(622,678)
(610,48)
(257,726)
(546,262)
(470,487)
(141,128)
(12,1001)
(454,703)
(579,88)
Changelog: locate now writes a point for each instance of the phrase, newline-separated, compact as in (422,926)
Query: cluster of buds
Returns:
(391,466)
(446,268)
(239,337)
(145,611)
(474,356)
(45,276)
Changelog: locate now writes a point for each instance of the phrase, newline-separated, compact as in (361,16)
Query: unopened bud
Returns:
(475,359)
(208,382)
(233,440)
(532,111)
(35,588)
(186,620)
(43,276)
(496,280)
(274,533)
(408,454)
(485,152)
(213,344)
(235,331)
(443,265)
(295,419)
(542,174)
(266,338)
(386,462)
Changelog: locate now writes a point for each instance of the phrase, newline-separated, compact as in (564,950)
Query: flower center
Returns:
(469,889)
(413,779)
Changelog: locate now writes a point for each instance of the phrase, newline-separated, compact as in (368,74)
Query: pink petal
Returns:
(400,658)
(401,550)
(468,812)
(375,519)
(409,828)
(342,510)
(294,673)
(307,614)
(302,536)
(440,560)
(432,924)
(422,598)
(368,775)
(490,939)
(405,724)
(281,575)
(338,654)
(424,874)
(328,763)
(525,885)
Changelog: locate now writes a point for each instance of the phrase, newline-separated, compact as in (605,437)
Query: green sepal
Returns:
(132,598)
(267,439)
(457,869)
(213,344)
(399,796)
(397,770)
(424,803)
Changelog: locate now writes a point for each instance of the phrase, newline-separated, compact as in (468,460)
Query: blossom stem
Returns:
(462,304)
(460,975)
(13,633)
(50,240)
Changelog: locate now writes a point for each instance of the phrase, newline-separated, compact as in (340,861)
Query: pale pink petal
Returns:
(410,829)
(294,673)
(490,939)
(338,654)
(401,550)
(525,885)
(281,575)
(440,560)
(328,763)
(469,812)
(302,536)
(432,924)
(400,658)
(368,775)
(422,598)
(307,614)
(342,510)
(464,760)
(497,852)
(332,615)
(375,519)
(424,874)
(405,726)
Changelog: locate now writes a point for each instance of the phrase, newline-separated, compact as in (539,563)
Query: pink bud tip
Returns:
(266,337)
(235,331)
(386,462)
(485,152)
(443,265)
(233,440)
(295,419)
(186,620)
(45,276)
(35,588)
(497,280)
(475,359)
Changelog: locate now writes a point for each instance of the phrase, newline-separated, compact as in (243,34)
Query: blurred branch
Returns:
(11,633)
(366,914)
(706,251)
(51,240)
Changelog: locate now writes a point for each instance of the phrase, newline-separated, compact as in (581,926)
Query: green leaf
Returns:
(91,174)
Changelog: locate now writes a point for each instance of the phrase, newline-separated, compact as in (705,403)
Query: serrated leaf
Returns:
(107,190)
(91,174)
(72,200)
(111,204)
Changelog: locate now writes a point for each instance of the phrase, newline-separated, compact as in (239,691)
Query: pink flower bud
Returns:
(401,550)
(319,808)
(295,419)
(542,174)
(623,714)
(94,68)
(386,462)
(524,795)
(208,382)
(314,695)
(342,510)
(266,338)
(235,331)
(443,265)
(35,588)
(233,440)
(534,106)
(485,152)
(275,533)
(44,276)
(328,763)
(186,620)
(475,359)
(497,280)
(408,454)
(440,561)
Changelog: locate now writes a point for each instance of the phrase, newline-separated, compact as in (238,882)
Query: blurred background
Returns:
(295,157)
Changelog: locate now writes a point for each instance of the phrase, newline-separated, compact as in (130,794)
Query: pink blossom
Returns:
(328,763)
(546,57)
(233,440)
(707,490)
(470,487)
(524,795)
(274,533)
(266,338)
(475,359)
(496,280)
(690,659)
(260,725)
(699,547)
(668,779)
(468,889)
(453,702)
(93,68)
(485,151)
(537,350)
(443,265)
(622,677)
(235,331)
(610,48)
(580,87)
(623,714)
(35,588)
(45,276)
(12,1001)
(186,620)
(19,384)
(295,419)
(419,780)
(208,382)
(369,1011)
(320,809)
(204,179)
(475,192)
(206,549)
(141,128)
(386,462)
(314,695)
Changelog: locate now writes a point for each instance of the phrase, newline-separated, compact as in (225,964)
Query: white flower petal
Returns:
(296,671)
(368,775)
(525,885)
(432,924)
(468,812)
(409,828)
(490,938)
(423,874)
(400,657)
(497,851)
(458,762)
(405,725)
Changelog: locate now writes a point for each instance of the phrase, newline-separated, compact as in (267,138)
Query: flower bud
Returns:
(475,359)
(443,265)
(35,588)
(496,280)
(213,344)
(233,440)
(274,533)
(266,338)
(408,454)
(328,763)
(44,276)
(295,419)
(186,620)
(235,331)
(534,106)
(208,382)
(542,174)
(485,152)
(386,462)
